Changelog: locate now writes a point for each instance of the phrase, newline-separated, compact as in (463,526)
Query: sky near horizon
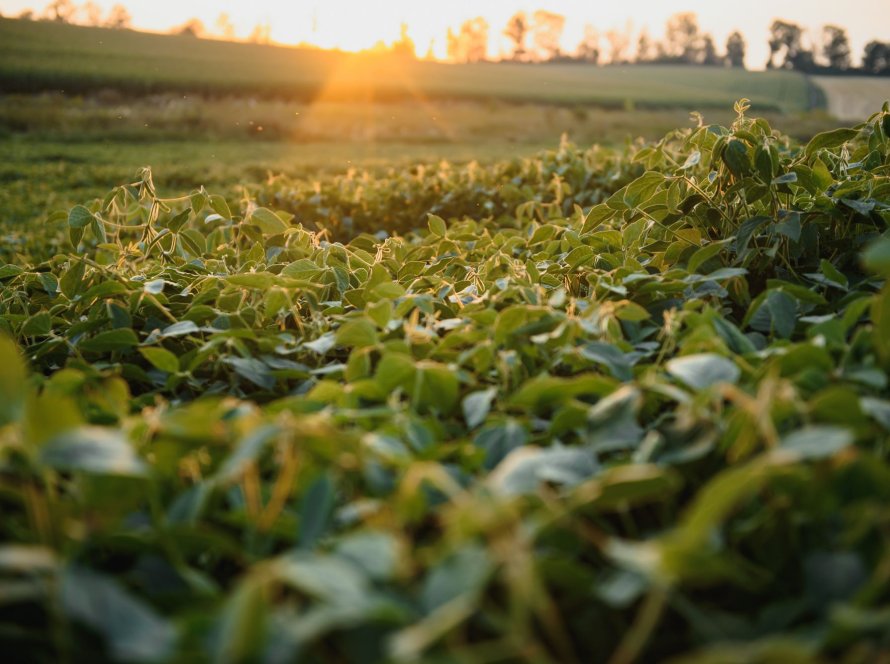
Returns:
(354,25)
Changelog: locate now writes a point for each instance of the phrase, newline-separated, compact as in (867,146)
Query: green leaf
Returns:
(437,225)
(525,469)
(476,406)
(735,156)
(92,450)
(316,509)
(786,178)
(219,205)
(71,282)
(880,318)
(703,370)
(463,573)
(253,370)
(783,313)
(131,629)
(830,139)
(356,333)
(161,358)
(817,442)
(703,255)
(154,287)
(110,341)
(180,329)
(876,257)
(12,382)
(269,222)
(80,217)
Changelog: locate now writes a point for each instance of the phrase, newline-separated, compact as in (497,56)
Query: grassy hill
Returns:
(40,56)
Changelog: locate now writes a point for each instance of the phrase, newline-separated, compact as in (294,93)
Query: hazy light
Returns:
(354,25)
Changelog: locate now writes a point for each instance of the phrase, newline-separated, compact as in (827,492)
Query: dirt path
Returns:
(854,97)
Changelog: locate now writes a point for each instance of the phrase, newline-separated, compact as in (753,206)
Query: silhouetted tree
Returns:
(26,15)
(516,31)
(735,50)
(261,34)
(619,41)
(876,57)
(404,47)
(119,18)
(589,48)
(61,11)
(470,43)
(225,26)
(192,28)
(836,47)
(547,30)
(92,13)
(683,41)
(709,54)
(644,47)
(787,39)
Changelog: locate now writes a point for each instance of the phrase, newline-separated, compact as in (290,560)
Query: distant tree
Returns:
(682,40)
(92,13)
(192,28)
(619,42)
(225,27)
(786,39)
(26,15)
(589,48)
(61,11)
(261,34)
(517,31)
(644,48)
(119,18)
(547,30)
(404,47)
(836,47)
(735,50)
(430,54)
(876,58)
(709,54)
(470,42)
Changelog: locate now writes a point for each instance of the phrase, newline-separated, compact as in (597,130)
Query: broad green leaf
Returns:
(253,370)
(356,333)
(703,370)
(735,156)
(131,629)
(12,382)
(269,222)
(80,217)
(830,139)
(463,573)
(315,511)
(476,406)
(817,442)
(525,469)
(437,226)
(110,341)
(876,257)
(161,358)
(92,450)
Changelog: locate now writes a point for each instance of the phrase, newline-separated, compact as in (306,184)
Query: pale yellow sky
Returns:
(356,24)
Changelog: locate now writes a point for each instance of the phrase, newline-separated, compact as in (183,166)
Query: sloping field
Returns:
(854,97)
(39,56)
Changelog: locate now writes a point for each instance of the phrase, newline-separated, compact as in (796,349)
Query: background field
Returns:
(36,56)
(853,97)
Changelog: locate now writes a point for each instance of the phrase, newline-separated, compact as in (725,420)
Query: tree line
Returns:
(538,38)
